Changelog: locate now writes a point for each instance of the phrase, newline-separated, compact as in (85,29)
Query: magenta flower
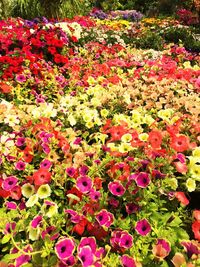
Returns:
(114,202)
(21,260)
(9,183)
(51,231)
(46,149)
(64,248)
(11,205)
(74,216)
(142,179)
(20,141)
(83,170)
(20,78)
(45,164)
(71,171)
(105,218)
(127,261)
(10,227)
(86,256)
(116,188)
(88,241)
(143,227)
(68,262)
(94,195)
(126,240)
(77,141)
(36,221)
(84,184)
(20,165)
(191,248)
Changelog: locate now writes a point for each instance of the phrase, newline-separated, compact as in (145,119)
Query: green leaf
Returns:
(5,239)
(9,257)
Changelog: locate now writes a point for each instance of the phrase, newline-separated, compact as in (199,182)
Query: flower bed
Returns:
(99,146)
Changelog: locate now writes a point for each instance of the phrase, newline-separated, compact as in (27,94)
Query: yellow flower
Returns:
(125,147)
(126,138)
(44,191)
(104,113)
(143,137)
(195,172)
(191,184)
(32,201)
(27,190)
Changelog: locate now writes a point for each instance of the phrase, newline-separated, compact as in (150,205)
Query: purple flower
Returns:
(191,247)
(142,179)
(83,170)
(88,241)
(11,205)
(132,208)
(105,218)
(45,164)
(143,227)
(86,256)
(64,248)
(20,165)
(116,188)
(84,184)
(10,227)
(36,221)
(126,240)
(127,261)
(20,141)
(9,183)
(77,141)
(71,171)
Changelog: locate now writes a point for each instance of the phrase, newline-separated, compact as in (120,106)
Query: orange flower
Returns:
(182,198)
(155,138)
(5,88)
(180,143)
(196,214)
(196,229)
(42,176)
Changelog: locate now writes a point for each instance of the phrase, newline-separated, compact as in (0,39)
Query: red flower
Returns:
(79,228)
(180,143)
(155,138)
(5,88)
(196,214)
(42,176)
(27,155)
(196,229)
(182,198)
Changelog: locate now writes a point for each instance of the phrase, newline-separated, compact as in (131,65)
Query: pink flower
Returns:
(64,248)
(143,227)
(84,184)
(86,256)
(9,183)
(116,188)
(105,218)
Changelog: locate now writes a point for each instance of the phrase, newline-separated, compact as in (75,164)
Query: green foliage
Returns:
(150,40)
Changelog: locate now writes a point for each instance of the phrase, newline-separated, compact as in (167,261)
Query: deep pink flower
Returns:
(86,256)
(64,248)
(161,249)
(20,165)
(10,227)
(11,205)
(132,208)
(51,231)
(105,218)
(20,78)
(68,262)
(94,195)
(83,170)
(9,183)
(116,188)
(126,240)
(71,171)
(143,227)
(127,261)
(45,164)
(20,141)
(84,184)
(88,241)
(142,179)
(36,221)
(74,216)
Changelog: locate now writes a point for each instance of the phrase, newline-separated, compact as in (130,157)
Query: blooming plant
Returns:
(99,146)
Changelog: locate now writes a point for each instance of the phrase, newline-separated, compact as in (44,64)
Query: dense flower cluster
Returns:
(99,146)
